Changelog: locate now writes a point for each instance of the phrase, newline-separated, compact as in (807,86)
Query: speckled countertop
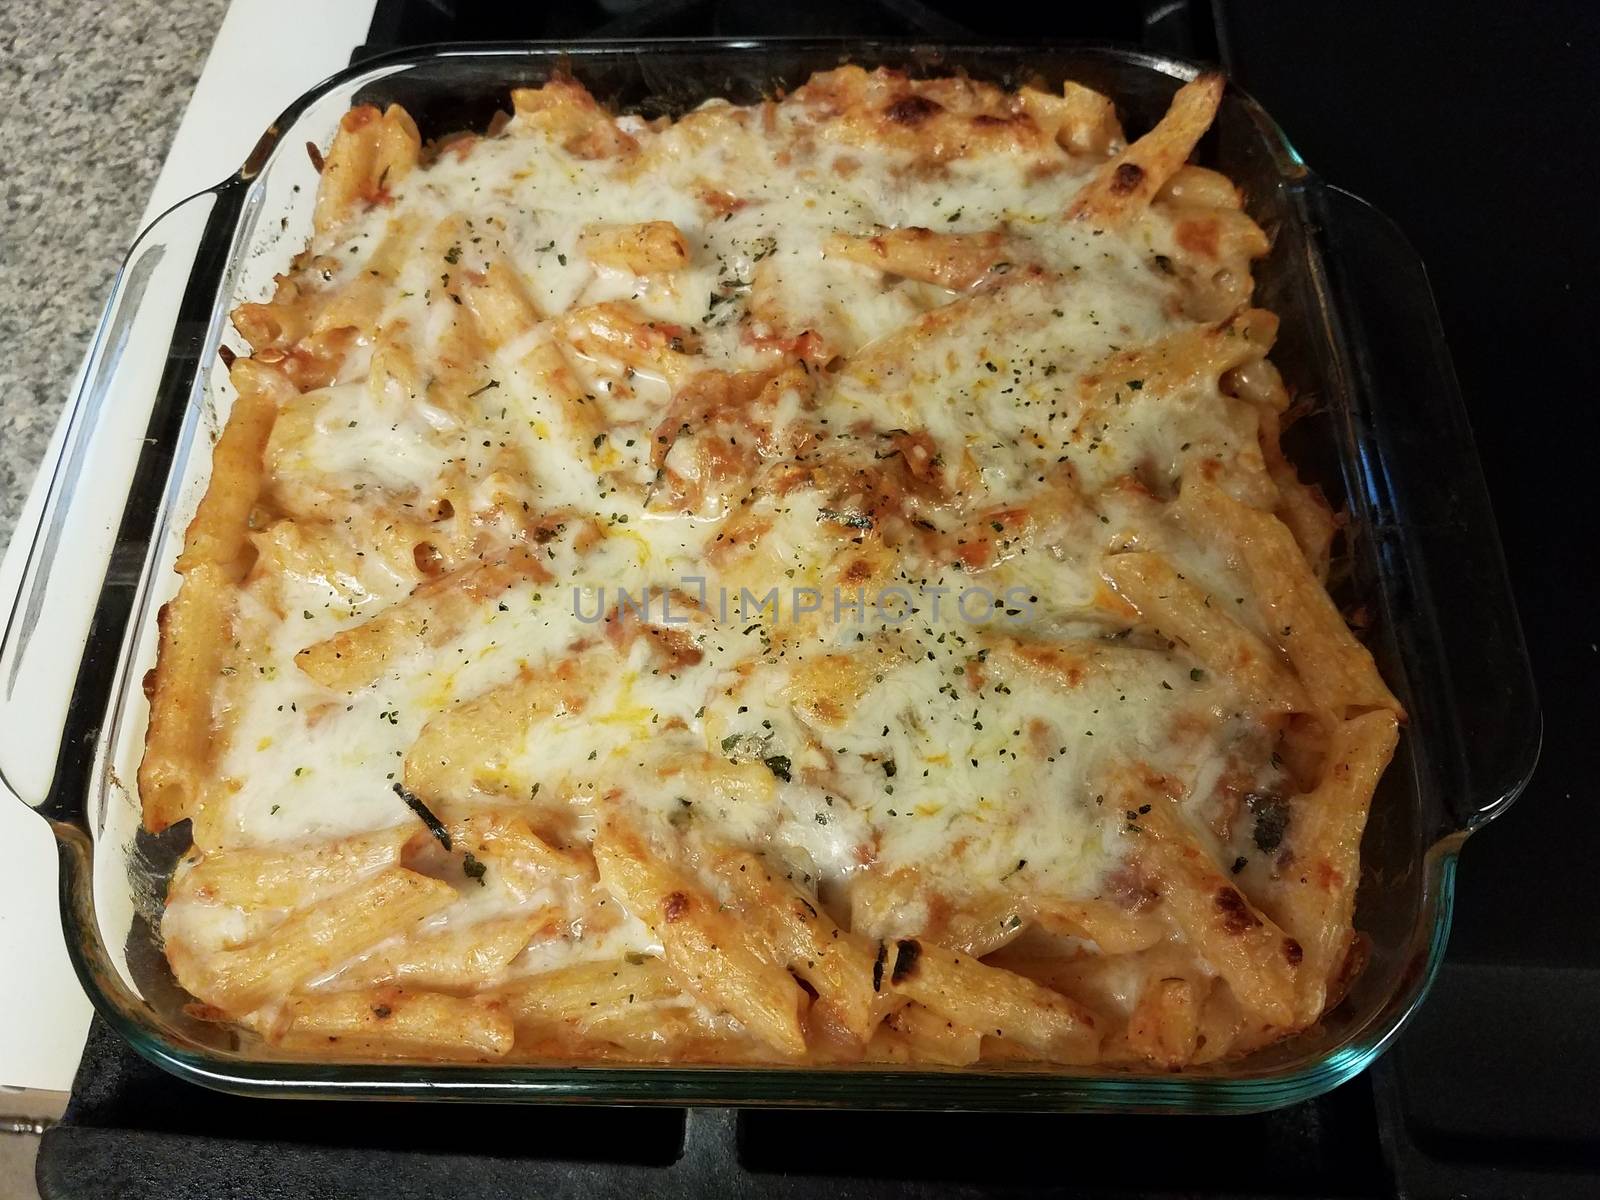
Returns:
(93,94)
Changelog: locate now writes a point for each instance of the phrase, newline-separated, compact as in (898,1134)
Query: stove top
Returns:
(1179,26)
(1490,1091)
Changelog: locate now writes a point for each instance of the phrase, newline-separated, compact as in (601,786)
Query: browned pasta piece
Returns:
(937,120)
(526,860)
(571,992)
(645,248)
(314,941)
(826,688)
(1200,187)
(1081,120)
(277,323)
(1113,928)
(1127,183)
(914,1034)
(1311,890)
(564,110)
(1165,1024)
(458,958)
(500,304)
(836,963)
(396,1022)
(433,614)
(1259,961)
(1182,610)
(994,1001)
(1336,670)
(371,152)
(1200,354)
(291,876)
(194,624)
(546,363)
(952,260)
(467,746)
(617,330)
(627,1008)
(359,302)
(711,953)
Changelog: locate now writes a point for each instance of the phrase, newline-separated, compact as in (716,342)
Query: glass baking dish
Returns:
(1387,438)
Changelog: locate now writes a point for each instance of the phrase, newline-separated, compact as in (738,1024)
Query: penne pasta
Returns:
(1336,670)
(711,953)
(1012,1007)
(913,1034)
(318,939)
(952,260)
(500,304)
(383,1022)
(1245,947)
(1127,183)
(371,152)
(615,330)
(458,959)
(194,625)
(1182,610)
(430,616)
(1165,1024)
(564,110)
(291,877)
(807,582)
(836,964)
(645,248)
(1312,893)
(1081,120)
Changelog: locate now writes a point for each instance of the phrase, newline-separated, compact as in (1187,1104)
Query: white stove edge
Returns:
(266,53)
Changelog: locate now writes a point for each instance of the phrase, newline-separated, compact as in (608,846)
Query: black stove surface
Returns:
(1183,26)
(1473,125)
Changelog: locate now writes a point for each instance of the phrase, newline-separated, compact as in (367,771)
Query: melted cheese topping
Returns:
(886,656)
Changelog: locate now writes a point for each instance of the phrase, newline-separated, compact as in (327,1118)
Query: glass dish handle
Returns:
(1470,680)
(63,556)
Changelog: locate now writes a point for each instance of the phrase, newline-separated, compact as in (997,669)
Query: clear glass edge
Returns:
(78,419)
(957,1089)
(1235,1092)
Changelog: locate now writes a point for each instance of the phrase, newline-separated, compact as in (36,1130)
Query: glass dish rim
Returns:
(1076,1090)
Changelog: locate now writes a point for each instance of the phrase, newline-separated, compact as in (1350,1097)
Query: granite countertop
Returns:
(93,94)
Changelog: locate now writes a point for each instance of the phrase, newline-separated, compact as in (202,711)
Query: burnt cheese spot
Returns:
(1126,178)
(907,952)
(1292,951)
(877,967)
(912,110)
(1235,910)
(1200,237)
(857,572)
(674,906)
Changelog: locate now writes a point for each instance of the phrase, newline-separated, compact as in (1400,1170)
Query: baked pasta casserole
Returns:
(806,582)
